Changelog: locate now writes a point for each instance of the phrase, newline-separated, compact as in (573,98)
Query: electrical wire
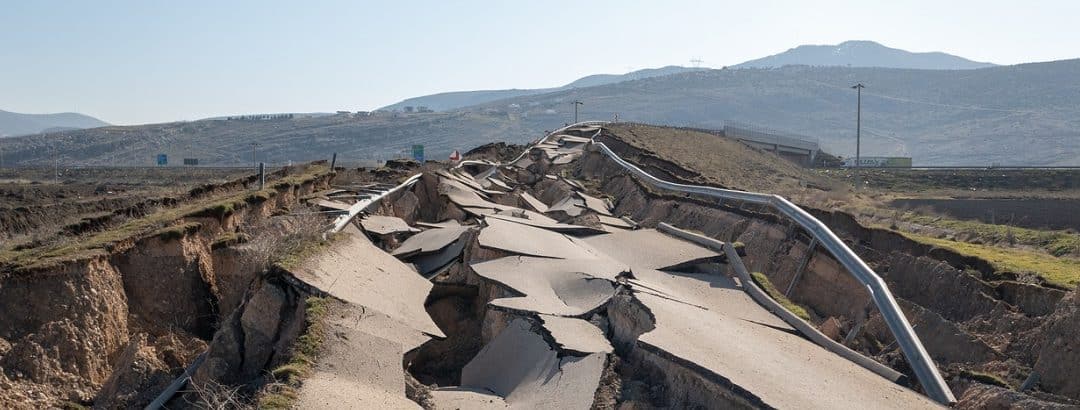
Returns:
(930,103)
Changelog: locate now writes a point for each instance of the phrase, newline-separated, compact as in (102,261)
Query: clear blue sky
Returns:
(130,62)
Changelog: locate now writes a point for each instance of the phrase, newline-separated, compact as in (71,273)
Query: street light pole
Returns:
(576,104)
(858,129)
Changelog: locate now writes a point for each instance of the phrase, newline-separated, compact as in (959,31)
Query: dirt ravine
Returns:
(113,328)
(970,325)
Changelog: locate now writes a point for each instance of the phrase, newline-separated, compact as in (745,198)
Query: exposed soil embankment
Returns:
(971,318)
(111,326)
(96,202)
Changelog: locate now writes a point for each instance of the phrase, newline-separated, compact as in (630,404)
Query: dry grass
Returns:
(212,395)
(723,161)
(284,391)
(99,242)
(287,240)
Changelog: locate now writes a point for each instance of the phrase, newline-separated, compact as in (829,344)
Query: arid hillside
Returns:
(279,141)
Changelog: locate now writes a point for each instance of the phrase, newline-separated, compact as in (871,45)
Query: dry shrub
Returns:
(212,395)
(277,237)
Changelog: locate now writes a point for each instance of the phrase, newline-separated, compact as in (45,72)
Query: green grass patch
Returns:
(217,210)
(226,207)
(765,284)
(740,248)
(1060,271)
(1056,243)
(177,232)
(283,394)
(985,378)
(260,196)
(228,239)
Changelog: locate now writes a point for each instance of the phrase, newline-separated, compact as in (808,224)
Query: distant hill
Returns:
(302,138)
(1026,114)
(863,54)
(458,99)
(13,123)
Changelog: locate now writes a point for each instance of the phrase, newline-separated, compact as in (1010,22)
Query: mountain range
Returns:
(13,123)
(846,54)
(1026,114)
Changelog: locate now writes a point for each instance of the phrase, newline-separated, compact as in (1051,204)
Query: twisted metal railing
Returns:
(925,369)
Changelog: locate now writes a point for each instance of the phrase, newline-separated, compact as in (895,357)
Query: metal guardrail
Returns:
(804,327)
(364,204)
(177,384)
(919,360)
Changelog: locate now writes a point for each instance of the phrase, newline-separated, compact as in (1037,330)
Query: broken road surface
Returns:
(549,301)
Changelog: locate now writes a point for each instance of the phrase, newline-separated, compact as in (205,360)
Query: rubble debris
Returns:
(386,225)
(651,249)
(356,271)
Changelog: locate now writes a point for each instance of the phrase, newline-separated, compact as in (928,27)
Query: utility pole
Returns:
(858,130)
(576,103)
(253,163)
(56,167)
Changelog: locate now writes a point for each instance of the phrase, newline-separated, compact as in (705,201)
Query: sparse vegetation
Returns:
(99,242)
(175,232)
(216,396)
(1056,243)
(302,249)
(985,378)
(228,239)
(1060,271)
(765,284)
(284,391)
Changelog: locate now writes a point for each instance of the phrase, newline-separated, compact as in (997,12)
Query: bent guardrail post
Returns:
(919,360)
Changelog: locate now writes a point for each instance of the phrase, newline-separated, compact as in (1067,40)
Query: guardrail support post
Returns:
(802,266)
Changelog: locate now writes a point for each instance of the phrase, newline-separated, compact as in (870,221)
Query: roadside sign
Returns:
(455,156)
(418,153)
(162,159)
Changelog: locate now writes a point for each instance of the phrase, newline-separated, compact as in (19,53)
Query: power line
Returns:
(962,107)
(930,103)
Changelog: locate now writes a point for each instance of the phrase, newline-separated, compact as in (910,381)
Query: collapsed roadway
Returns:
(518,285)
